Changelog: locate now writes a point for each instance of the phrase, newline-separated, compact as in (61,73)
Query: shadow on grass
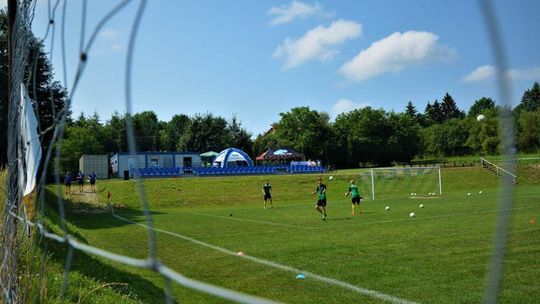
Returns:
(88,215)
(95,268)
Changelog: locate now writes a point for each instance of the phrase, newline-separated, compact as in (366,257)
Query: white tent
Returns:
(232,157)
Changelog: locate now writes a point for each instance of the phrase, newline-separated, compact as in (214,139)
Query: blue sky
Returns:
(256,59)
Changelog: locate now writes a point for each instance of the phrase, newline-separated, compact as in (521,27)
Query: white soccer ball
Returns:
(421,206)
(412,215)
(480,117)
(469,194)
(480,192)
(387,208)
(415,194)
(429,194)
(331,177)
(412,194)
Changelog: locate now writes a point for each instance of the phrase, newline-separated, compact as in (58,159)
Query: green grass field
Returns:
(441,256)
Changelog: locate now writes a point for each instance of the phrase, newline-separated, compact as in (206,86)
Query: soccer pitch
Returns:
(379,256)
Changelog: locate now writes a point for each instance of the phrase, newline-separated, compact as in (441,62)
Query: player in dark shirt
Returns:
(267,194)
(321,201)
(80,181)
(67,182)
(92,178)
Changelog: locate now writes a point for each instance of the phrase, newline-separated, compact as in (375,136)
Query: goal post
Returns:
(405,181)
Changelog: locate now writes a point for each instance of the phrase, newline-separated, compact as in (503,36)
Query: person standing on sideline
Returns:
(321,198)
(67,182)
(80,181)
(267,194)
(92,178)
(355,195)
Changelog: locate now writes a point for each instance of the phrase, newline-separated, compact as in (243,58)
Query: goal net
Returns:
(389,183)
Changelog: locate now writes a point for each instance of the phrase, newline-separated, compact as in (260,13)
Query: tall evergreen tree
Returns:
(450,109)
(434,112)
(531,99)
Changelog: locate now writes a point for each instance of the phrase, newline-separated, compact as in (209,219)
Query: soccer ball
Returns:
(480,117)
(412,215)
(421,206)
(412,194)
(331,177)
(469,194)
(387,208)
(480,192)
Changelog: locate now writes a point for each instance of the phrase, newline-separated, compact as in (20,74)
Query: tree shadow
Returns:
(93,216)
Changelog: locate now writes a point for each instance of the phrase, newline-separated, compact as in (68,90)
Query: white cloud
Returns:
(296,9)
(394,53)
(480,73)
(109,34)
(532,73)
(488,72)
(346,105)
(318,43)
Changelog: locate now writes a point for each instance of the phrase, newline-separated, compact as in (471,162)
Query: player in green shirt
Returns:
(321,201)
(355,194)
(267,194)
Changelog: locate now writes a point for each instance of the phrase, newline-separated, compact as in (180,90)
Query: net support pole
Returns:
(440,182)
(372,186)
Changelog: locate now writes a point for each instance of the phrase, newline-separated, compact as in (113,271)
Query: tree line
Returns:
(371,136)
(360,137)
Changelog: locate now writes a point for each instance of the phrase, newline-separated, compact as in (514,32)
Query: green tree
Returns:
(173,131)
(147,129)
(115,130)
(404,141)
(84,136)
(528,126)
(305,130)
(239,137)
(446,139)
(206,132)
(434,113)
(45,103)
(480,106)
(450,109)
(484,135)
(265,141)
(530,101)
(362,137)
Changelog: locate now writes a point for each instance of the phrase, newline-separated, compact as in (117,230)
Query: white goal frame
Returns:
(438,168)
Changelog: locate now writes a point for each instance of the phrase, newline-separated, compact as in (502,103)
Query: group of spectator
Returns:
(68,179)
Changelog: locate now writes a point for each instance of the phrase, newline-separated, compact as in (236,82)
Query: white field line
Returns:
(360,290)
(247,220)
(421,218)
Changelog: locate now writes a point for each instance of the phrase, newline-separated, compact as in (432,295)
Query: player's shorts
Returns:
(356,200)
(267,197)
(81,182)
(68,184)
(321,203)
(92,182)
